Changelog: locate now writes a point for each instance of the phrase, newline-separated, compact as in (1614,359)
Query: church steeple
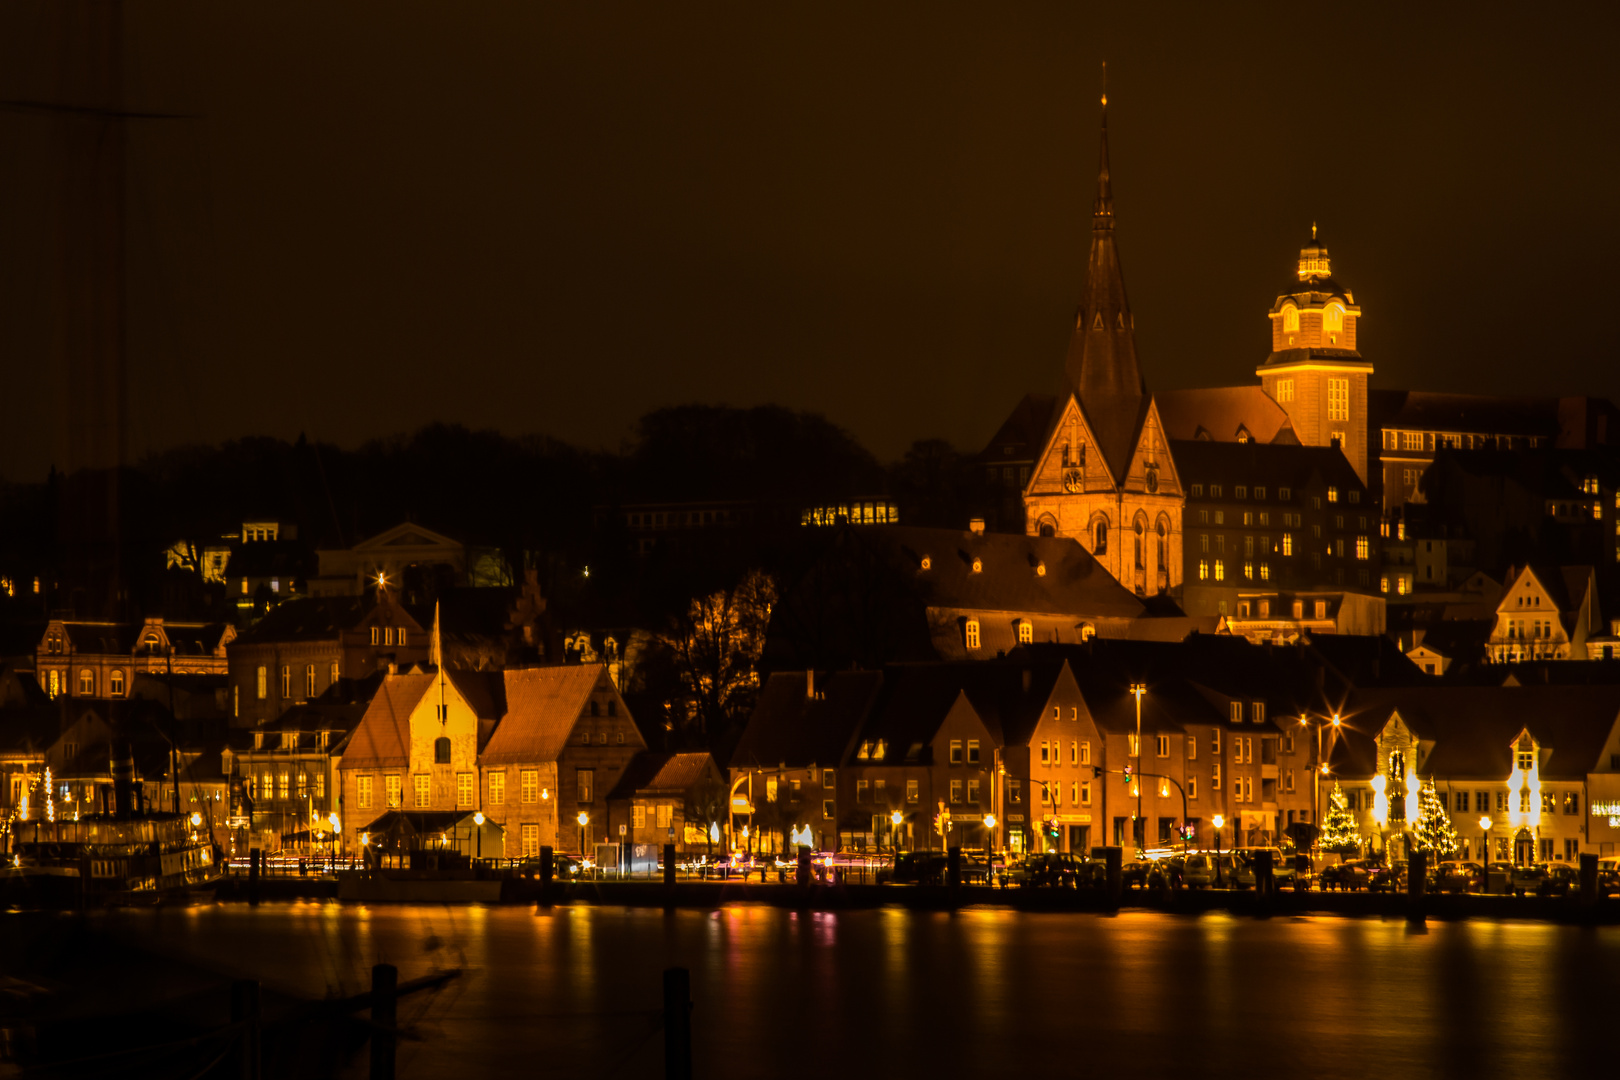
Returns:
(1101,364)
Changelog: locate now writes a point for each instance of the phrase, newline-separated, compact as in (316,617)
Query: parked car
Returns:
(1284,873)
(1562,879)
(1387,878)
(1456,876)
(1351,874)
(1609,875)
(930,868)
(1199,871)
(1052,870)
(1527,879)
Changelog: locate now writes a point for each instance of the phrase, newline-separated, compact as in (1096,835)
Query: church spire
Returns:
(1101,363)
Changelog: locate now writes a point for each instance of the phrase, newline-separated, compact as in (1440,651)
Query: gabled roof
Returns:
(654,772)
(542,706)
(1219,412)
(383,739)
(1472,728)
(406,534)
(1074,583)
(1024,433)
(789,727)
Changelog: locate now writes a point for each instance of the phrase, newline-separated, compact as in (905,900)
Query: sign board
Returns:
(643,859)
(621,830)
(1075,819)
(1015,817)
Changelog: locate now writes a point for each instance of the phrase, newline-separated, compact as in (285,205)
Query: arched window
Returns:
(1139,552)
(87,682)
(1333,318)
(441,751)
(1100,533)
(971,633)
(596,707)
(1026,632)
(1290,319)
(115,683)
(1087,631)
(1159,560)
(1048,529)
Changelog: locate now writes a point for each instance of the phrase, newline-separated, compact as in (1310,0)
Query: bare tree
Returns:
(715,648)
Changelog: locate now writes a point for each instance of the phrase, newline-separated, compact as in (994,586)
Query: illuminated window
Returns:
(1290,320)
(497,788)
(1220,570)
(972,633)
(1333,319)
(1026,632)
(309,681)
(1288,543)
(1363,547)
(283,785)
(531,840)
(1265,571)
(87,682)
(1338,399)
(391,790)
(1248,570)
(528,785)
(364,792)
(1285,390)
(422,787)
(464,789)
(115,683)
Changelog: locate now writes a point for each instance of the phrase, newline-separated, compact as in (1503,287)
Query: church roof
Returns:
(1219,412)
(1101,364)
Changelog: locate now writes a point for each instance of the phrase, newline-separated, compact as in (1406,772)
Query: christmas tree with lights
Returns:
(1339,832)
(1433,832)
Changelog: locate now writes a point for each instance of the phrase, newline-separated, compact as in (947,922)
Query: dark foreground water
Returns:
(567,991)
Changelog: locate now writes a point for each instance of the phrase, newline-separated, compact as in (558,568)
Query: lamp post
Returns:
(1137,690)
(1485,854)
(478,820)
(584,820)
(896,819)
(989,832)
(1219,821)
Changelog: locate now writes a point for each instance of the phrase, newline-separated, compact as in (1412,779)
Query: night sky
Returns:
(546,219)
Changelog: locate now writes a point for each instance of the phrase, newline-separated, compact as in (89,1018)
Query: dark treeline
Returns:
(543,504)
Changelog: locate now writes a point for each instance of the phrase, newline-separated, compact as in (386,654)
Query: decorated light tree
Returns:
(1339,832)
(1433,832)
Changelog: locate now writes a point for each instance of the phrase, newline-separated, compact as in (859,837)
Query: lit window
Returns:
(497,788)
(1288,543)
(422,787)
(1220,570)
(1363,547)
(1338,399)
(115,684)
(309,681)
(528,785)
(365,792)
(87,682)
(1265,571)
(1285,387)
(391,790)
(1026,632)
(972,633)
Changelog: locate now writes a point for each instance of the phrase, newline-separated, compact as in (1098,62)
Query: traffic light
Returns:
(1127,774)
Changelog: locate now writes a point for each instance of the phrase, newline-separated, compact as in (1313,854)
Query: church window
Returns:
(1338,399)
(1333,318)
(1162,562)
(1203,569)
(1220,570)
(1285,390)
(972,633)
(1100,544)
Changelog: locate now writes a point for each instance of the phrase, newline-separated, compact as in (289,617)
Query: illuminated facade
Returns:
(1105,474)
(1315,371)
(1546,616)
(101,660)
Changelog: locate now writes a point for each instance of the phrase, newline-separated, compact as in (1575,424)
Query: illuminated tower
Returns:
(1314,371)
(1105,475)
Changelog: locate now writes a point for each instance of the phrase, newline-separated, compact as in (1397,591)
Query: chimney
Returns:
(810,684)
(393,667)
(123,774)
(976,526)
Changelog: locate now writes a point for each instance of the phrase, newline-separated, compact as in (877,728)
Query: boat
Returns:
(130,855)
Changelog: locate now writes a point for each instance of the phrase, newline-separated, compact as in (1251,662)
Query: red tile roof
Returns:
(383,739)
(542,705)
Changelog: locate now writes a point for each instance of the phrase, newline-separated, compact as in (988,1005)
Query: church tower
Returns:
(1105,475)
(1314,371)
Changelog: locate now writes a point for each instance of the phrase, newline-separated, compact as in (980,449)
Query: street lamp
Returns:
(478,819)
(1485,853)
(1219,821)
(896,819)
(1137,690)
(584,820)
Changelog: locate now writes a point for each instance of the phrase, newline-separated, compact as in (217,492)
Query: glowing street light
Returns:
(1485,853)
(478,817)
(196,819)
(1219,821)
(1137,690)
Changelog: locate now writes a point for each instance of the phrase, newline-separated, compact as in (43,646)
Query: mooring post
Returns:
(677,1024)
(384,981)
(669,866)
(545,868)
(1417,881)
(254,857)
(802,876)
(245,1015)
(1589,879)
(1114,875)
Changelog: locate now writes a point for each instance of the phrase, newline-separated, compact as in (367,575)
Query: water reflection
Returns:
(980,992)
